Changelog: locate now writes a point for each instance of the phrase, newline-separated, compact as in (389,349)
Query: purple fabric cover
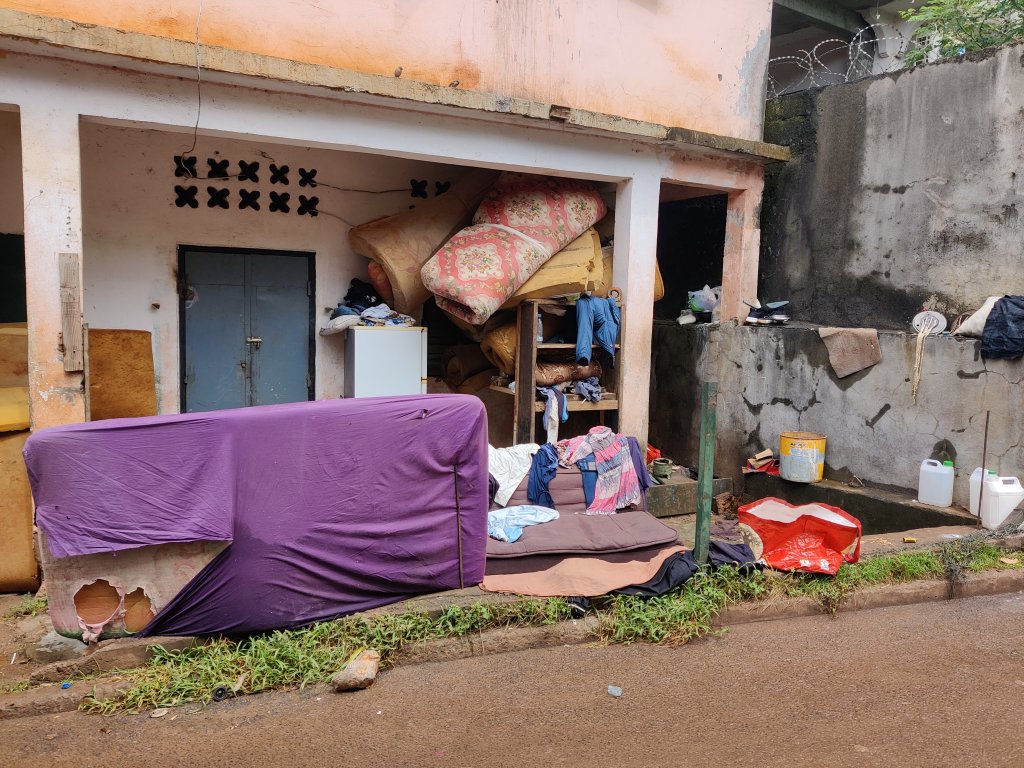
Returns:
(331,507)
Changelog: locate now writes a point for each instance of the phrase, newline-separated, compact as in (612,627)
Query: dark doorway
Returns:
(12,279)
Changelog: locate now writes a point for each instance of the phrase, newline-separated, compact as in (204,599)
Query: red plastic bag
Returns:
(815,538)
(652,453)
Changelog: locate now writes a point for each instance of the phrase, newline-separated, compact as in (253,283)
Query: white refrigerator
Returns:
(385,360)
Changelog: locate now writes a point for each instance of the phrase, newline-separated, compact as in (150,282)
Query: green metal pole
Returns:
(705,469)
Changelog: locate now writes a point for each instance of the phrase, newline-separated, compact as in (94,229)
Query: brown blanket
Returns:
(576,575)
(560,373)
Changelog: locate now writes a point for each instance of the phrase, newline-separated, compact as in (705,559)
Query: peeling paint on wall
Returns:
(646,61)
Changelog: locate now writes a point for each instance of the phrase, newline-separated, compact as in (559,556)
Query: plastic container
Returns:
(540,329)
(801,456)
(976,490)
(935,483)
(1002,495)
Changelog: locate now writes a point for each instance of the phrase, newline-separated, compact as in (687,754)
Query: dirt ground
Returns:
(924,685)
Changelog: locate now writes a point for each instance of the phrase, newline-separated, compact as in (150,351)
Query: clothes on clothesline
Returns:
(542,471)
(597,320)
(589,389)
(618,486)
(679,568)
(507,524)
(509,466)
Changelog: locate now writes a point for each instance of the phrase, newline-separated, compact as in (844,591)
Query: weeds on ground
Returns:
(972,555)
(21,685)
(30,606)
(310,655)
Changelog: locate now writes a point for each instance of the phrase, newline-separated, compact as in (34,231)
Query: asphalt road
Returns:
(927,685)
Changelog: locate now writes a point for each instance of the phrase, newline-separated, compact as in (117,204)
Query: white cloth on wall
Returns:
(509,466)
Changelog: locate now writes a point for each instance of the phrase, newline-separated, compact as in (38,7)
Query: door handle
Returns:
(255,341)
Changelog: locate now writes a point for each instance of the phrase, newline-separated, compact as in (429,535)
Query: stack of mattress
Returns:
(578,555)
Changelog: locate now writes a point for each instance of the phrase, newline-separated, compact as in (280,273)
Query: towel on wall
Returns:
(851,349)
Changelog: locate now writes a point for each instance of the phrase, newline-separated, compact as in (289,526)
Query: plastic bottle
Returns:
(976,489)
(935,484)
(1002,495)
(540,329)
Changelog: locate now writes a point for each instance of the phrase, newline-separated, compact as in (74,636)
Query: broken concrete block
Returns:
(358,673)
(53,647)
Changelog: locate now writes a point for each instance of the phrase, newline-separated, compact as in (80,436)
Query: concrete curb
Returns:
(492,641)
(122,654)
(50,699)
(111,655)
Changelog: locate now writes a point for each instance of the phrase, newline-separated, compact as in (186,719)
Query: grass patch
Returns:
(30,606)
(301,657)
(975,555)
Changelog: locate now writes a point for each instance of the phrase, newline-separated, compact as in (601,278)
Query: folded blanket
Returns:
(548,373)
(575,575)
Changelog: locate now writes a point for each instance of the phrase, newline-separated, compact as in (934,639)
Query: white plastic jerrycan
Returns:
(1002,495)
(976,488)
(935,485)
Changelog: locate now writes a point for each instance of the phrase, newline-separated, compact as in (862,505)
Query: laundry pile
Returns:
(362,305)
(587,531)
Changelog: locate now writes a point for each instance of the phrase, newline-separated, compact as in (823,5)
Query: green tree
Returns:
(953,27)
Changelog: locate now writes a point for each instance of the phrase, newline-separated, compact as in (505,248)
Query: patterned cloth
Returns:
(618,486)
(522,223)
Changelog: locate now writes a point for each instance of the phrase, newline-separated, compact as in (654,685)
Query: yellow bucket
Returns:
(801,456)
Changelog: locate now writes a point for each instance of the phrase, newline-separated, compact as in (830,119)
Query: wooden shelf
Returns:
(525,403)
(573,402)
(558,345)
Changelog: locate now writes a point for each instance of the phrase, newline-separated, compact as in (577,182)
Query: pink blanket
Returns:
(521,224)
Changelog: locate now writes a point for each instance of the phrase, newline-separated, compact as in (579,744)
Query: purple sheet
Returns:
(331,507)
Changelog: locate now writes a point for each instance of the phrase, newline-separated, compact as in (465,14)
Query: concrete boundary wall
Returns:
(773,380)
(906,189)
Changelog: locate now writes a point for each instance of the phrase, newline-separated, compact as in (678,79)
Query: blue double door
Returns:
(246,328)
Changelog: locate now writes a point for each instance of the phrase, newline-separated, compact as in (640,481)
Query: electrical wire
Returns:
(199,86)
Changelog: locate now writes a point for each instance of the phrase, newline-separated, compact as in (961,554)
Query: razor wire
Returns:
(823,65)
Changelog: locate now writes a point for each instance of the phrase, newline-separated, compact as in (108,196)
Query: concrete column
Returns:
(52,182)
(636,254)
(742,250)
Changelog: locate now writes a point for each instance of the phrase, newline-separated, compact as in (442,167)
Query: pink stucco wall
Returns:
(687,63)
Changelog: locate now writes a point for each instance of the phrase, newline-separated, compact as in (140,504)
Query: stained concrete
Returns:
(776,379)
(905,190)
